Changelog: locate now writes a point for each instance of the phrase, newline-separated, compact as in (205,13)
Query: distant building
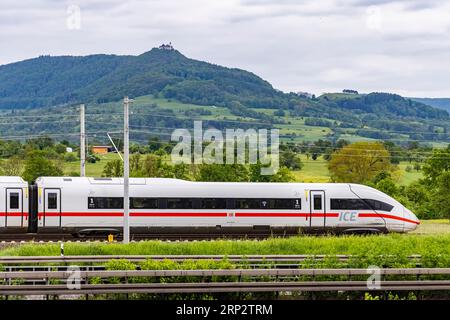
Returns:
(305,95)
(350,91)
(68,149)
(101,149)
(166,47)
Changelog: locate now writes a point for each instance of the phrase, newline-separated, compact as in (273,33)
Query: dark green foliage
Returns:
(38,165)
(222,172)
(291,160)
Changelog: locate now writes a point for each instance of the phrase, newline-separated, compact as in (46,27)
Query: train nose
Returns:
(411,221)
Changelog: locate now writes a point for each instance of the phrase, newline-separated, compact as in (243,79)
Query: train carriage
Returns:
(13,204)
(95,205)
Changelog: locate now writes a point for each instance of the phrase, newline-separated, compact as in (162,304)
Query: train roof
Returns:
(11,179)
(173,182)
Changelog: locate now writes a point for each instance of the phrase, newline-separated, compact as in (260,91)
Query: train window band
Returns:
(194,203)
(52,200)
(14,200)
(359,204)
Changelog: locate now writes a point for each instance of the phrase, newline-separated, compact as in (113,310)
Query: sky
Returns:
(317,46)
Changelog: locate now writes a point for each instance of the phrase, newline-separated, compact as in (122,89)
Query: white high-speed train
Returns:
(157,205)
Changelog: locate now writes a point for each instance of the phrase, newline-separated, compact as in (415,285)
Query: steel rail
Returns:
(204,287)
(218,272)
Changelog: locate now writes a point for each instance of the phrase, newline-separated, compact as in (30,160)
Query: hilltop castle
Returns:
(166,47)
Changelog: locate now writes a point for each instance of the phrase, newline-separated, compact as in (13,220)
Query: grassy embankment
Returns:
(432,239)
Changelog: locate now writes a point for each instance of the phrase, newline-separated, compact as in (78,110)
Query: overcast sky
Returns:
(318,46)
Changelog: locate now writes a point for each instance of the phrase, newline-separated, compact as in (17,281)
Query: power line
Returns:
(40,116)
(37,122)
(266,123)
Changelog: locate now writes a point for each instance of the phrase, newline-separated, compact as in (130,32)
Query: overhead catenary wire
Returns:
(268,123)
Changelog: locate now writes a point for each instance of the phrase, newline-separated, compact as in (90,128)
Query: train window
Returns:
(218,203)
(247,203)
(349,204)
(105,203)
(283,204)
(14,200)
(179,203)
(288,204)
(143,203)
(264,204)
(317,202)
(52,200)
(378,205)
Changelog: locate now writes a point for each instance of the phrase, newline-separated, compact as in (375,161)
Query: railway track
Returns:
(39,237)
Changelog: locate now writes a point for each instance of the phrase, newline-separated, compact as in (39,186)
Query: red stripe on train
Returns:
(134,214)
(387,216)
(219,214)
(13,214)
(284,214)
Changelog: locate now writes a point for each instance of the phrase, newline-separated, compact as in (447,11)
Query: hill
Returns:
(441,103)
(47,80)
(166,80)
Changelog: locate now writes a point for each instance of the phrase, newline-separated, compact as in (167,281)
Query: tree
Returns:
(440,197)
(37,165)
(40,143)
(359,162)
(181,171)
(12,166)
(113,168)
(436,165)
(291,160)
(222,172)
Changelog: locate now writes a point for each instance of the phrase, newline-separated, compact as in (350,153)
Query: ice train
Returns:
(83,206)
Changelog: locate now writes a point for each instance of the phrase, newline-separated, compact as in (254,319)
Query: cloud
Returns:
(318,46)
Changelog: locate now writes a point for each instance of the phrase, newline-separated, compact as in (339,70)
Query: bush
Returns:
(70,157)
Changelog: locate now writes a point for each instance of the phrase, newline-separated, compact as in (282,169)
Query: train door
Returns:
(52,207)
(317,208)
(14,212)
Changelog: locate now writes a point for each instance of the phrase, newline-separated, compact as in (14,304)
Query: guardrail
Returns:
(223,287)
(282,281)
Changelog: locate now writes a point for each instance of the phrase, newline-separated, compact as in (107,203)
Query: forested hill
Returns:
(47,81)
(441,103)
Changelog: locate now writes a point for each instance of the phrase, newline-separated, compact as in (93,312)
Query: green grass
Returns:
(426,227)
(392,244)
(407,177)
(312,171)
(92,169)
